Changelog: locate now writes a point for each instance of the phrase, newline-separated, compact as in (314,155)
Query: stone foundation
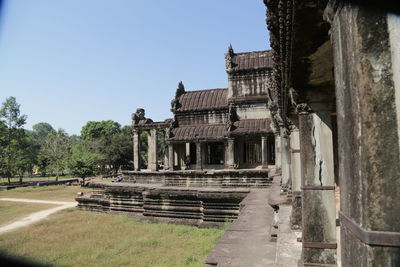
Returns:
(198,178)
(195,206)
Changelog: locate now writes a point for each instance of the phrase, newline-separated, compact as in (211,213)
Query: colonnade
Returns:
(173,154)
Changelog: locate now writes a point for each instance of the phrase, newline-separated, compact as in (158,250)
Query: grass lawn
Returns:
(80,238)
(51,192)
(11,211)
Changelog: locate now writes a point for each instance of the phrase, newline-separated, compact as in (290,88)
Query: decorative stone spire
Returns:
(230,50)
(179,91)
(229,57)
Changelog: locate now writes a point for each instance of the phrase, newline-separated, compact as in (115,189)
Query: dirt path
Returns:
(37,216)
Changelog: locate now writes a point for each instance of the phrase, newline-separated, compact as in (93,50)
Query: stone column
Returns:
(199,156)
(187,149)
(187,153)
(296,178)
(230,153)
(166,163)
(152,151)
(278,156)
(264,152)
(286,157)
(368,118)
(171,158)
(318,190)
(136,150)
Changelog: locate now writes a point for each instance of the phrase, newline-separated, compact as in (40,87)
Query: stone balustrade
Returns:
(200,178)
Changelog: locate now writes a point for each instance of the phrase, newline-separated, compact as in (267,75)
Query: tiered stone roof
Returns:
(252,60)
(203,100)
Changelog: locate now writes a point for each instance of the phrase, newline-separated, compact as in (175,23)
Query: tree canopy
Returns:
(42,129)
(12,127)
(104,147)
(96,129)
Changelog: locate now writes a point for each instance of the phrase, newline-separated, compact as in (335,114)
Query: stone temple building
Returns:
(323,106)
(337,105)
(226,128)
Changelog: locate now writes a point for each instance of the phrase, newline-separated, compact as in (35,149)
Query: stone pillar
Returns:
(171,158)
(318,190)
(136,150)
(296,178)
(264,152)
(166,162)
(278,156)
(367,76)
(187,153)
(199,156)
(286,157)
(152,151)
(230,153)
(187,149)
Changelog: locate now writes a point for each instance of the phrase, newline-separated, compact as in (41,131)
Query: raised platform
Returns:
(201,178)
(193,206)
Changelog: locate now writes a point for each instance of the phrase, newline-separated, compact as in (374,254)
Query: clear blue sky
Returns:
(71,61)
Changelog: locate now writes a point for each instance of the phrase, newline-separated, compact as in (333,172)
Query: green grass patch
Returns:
(78,238)
(51,192)
(11,211)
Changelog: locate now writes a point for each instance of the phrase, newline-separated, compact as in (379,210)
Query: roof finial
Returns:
(180,90)
(181,86)
(230,50)
(229,58)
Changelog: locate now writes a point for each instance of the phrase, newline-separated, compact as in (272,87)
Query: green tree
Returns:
(84,162)
(97,129)
(143,139)
(13,120)
(41,130)
(27,155)
(56,147)
(3,146)
(112,142)
(162,145)
(117,151)
(43,163)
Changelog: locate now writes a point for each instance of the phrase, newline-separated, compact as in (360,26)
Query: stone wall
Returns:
(249,83)
(367,107)
(202,117)
(194,206)
(252,111)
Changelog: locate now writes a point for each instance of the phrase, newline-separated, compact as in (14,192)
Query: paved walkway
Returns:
(247,241)
(37,216)
(288,251)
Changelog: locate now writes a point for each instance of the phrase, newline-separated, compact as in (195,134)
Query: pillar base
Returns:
(295,217)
